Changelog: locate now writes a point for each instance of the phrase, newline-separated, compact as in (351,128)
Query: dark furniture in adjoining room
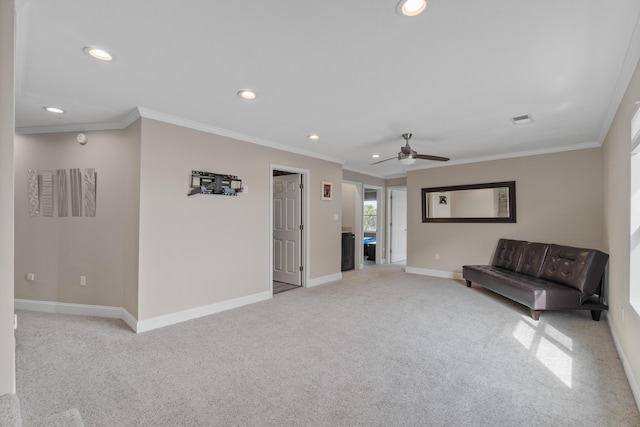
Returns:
(544,276)
(348,251)
(369,247)
(371,251)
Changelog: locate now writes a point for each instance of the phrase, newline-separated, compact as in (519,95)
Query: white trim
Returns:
(138,325)
(635,389)
(381,232)
(381,176)
(195,313)
(140,112)
(77,309)
(69,308)
(306,207)
(131,321)
(435,273)
(358,233)
(167,118)
(622,83)
(324,279)
(517,154)
(388,227)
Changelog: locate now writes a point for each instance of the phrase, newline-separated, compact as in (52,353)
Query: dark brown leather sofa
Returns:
(544,276)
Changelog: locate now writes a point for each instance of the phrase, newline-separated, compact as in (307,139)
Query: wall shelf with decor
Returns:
(214,183)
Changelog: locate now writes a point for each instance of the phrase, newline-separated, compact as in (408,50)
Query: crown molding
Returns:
(178,121)
(550,150)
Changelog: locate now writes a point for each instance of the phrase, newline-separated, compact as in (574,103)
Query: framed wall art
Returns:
(327,190)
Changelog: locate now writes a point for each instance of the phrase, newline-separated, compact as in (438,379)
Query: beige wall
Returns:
(151,249)
(206,249)
(559,200)
(617,175)
(349,207)
(131,204)
(348,175)
(396,182)
(58,250)
(7,341)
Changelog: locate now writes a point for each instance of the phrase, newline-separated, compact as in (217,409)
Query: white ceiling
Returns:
(354,72)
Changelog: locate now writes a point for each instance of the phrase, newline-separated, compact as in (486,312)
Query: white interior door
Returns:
(398,225)
(286,229)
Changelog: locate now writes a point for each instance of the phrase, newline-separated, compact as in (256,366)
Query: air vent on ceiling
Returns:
(521,120)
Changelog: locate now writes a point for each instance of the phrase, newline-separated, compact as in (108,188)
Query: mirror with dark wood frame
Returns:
(488,202)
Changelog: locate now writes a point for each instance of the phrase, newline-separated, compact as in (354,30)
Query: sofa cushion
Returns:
(508,253)
(579,268)
(533,255)
(537,294)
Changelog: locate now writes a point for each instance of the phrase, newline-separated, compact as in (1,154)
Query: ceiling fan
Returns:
(408,156)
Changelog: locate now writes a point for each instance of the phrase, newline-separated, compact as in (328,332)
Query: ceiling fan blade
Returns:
(386,160)
(429,157)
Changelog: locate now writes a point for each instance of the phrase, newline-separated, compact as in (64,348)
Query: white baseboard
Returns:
(435,273)
(69,308)
(194,313)
(324,279)
(625,364)
(138,326)
(77,309)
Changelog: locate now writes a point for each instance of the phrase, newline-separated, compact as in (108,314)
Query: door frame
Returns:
(388,227)
(359,234)
(304,205)
(381,230)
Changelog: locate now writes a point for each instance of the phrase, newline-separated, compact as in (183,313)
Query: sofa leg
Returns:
(468,283)
(535,314)
(595,315)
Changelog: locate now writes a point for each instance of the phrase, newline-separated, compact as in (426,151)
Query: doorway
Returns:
(397,224)
(288,232)
(372,214)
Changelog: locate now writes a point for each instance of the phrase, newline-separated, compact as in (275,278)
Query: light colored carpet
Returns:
(279,287)
(378,348)
(10,411)
(70,418)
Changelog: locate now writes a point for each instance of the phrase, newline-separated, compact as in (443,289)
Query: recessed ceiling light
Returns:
(313,137)
(376,156)
(521,120)
(97,53)
(411,7)
(55,110)
(247,94)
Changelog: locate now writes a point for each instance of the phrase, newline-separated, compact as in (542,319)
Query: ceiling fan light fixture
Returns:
(406,159)
(411,7)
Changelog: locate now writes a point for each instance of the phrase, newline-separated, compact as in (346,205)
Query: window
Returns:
(370,216)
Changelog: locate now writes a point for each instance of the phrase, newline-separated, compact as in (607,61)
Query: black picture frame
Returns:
(511,203)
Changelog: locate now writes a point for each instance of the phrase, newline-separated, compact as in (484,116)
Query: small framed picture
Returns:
(327,190)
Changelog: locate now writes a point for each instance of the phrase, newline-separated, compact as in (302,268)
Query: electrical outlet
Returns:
(83,280)
(30,277)
(437,256)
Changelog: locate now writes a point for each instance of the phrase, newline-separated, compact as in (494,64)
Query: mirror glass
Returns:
(488,202)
